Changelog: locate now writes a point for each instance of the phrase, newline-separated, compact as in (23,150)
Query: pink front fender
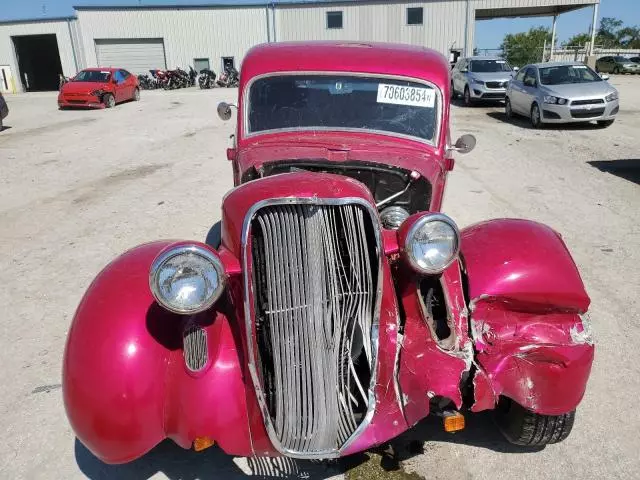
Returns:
(125,384)
(526,297)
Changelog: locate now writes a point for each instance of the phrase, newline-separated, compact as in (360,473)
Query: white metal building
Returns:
(142,37)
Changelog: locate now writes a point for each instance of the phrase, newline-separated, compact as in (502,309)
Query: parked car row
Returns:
(560,92)
(618,64)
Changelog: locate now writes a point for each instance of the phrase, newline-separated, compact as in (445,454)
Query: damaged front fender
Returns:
(526,300)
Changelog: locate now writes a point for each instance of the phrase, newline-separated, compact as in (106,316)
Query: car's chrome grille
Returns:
(593,101)
(194,345)
(315,270)
(496,84)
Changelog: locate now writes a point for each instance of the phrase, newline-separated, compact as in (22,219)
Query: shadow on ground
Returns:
(629,169)
(382,462)
(523,122)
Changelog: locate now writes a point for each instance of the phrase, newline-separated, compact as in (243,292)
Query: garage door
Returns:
(138,55)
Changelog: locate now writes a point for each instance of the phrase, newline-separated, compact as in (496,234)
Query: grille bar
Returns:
(593,101)
(315,276)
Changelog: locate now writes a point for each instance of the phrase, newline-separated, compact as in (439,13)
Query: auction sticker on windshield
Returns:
(412,96)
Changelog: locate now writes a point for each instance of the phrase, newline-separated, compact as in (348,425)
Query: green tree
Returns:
(526,47)
(607,34)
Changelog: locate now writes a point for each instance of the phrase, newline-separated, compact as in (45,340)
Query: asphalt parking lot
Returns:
(79,187)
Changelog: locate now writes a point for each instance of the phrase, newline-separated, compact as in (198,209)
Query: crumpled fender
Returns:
(125,383)
(526,300)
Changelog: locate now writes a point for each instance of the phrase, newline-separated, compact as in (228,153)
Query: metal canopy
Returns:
(541,11)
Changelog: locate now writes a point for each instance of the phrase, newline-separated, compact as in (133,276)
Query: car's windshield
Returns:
(343,102)
(564,74)
(489,66)
(92,76)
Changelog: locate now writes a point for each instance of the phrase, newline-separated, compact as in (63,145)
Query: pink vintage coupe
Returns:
(335,306)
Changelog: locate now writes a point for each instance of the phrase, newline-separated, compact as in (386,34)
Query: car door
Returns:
(530,90)
(120,86)
(607,64)
(130,82)
(458,75)
(516,90)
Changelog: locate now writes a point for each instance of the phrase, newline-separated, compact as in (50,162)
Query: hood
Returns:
(492,76)
(83,87)
(341,147)
(580,90)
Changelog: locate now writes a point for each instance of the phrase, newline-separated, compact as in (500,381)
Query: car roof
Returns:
(554,64)
(349,57)
(101,69)
(487,57)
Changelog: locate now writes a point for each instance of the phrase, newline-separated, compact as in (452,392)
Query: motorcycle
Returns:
(206,79)
(230,78)
(146,82)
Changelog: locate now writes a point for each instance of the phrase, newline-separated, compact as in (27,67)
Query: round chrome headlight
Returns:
(432,243)
(393,217)
(187,279)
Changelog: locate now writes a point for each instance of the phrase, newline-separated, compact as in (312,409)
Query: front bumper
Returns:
(579,113)
(79,101)
(485,92)
(633,69)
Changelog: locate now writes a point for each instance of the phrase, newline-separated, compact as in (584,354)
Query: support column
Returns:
(593,27)
(553,37)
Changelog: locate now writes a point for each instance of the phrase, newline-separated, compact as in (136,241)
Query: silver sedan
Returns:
(561,93)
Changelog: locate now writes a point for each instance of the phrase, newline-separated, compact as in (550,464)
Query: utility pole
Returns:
(553,36)
(593,27)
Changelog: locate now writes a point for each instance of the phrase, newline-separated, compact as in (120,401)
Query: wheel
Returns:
(616,71)
(136,95)
(536,119)
(523,427)
(468,101)
(109,100)
(605,123)
(454,95)
(507,108)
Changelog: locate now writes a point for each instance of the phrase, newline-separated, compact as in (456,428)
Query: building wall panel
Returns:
(443,23)
(188,33)
(63,30)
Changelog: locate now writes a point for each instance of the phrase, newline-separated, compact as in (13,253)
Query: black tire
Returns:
(136,95)
(605,123)
(508,111)
(616,71)
(454,95)
(536,116)
(523,427)
(468,101)
(109,100)
(214,236)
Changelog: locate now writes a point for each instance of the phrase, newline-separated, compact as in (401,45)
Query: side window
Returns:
(463,64)
(520,75)
(530,77)
(415,15)
(118,76)
(125,74)
(334,19)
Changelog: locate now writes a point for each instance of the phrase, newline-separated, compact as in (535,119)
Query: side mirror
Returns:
(604,77)
(224,110)
(464,70)
(464,144)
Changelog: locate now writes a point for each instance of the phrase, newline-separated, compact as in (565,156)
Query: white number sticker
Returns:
(412,96)
(579,67)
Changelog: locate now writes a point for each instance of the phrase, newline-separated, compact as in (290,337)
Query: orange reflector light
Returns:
(453,422)
(200,443)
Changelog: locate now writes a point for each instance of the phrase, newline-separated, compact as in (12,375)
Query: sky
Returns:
(489,33)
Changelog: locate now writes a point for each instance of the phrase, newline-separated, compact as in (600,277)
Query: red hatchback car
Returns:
(99,88)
